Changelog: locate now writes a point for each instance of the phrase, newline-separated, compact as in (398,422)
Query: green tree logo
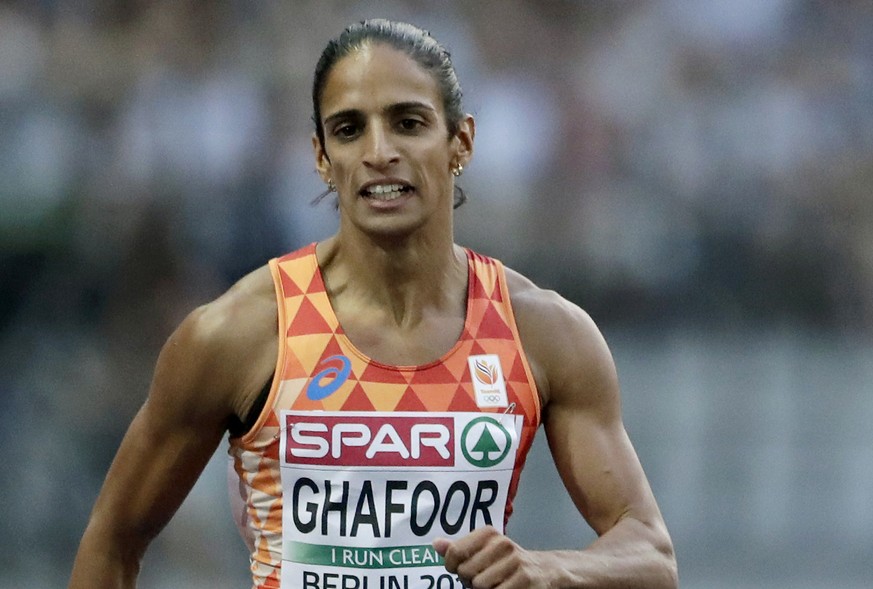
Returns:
(485,442)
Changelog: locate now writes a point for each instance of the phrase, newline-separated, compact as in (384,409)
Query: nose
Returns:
(379,151)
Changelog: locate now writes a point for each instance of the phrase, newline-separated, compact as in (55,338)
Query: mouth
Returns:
(385,192)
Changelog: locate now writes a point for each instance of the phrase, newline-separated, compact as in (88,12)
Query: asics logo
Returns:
(329,380)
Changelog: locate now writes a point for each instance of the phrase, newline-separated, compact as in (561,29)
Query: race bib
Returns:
(365,493)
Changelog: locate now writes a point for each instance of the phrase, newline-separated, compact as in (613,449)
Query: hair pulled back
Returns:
(416,43)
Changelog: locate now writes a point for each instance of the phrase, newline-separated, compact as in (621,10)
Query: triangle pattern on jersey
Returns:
(410,402)
(517,373)
(496,295)
(272,420)
(457,362)
(292,368)
(357,400)
(462,401)
(383,396)
(316,285)
(477,289)
(476,350)
(493,326)
(263,478)
(436,374)
(275,516)
(289,390)
(524,405)
(304,403)
(272,452)
(307,321)
(309,349)
(289,287)
(434,397)
(331,349)
(376,373)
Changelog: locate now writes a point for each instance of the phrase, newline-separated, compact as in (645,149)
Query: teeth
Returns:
(383,188)
(385,191)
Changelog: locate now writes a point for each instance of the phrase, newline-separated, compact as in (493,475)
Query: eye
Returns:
(408,124)
(345,131)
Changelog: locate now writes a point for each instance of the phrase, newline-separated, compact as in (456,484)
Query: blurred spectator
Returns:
(703,165)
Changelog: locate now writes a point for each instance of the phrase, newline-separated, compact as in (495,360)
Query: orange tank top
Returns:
(354,466)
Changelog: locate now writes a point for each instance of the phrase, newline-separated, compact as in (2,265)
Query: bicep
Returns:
(583,423)
(599,467)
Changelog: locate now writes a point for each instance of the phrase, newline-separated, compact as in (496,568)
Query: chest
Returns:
(427,341)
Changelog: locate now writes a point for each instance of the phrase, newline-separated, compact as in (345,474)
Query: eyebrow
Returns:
(390,109)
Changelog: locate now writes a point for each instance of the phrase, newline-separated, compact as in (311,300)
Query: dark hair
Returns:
(417,43)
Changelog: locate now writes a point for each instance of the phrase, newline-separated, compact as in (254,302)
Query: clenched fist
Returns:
(487,559)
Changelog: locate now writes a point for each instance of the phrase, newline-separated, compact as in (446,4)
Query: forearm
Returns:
(631,554)
(102,564)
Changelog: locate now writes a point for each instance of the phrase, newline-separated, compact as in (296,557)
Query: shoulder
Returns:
(241,312)
(567,352)
(222,350)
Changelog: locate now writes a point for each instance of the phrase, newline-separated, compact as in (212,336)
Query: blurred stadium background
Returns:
(696,174)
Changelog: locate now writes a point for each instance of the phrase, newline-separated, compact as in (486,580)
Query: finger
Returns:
(491,564)
(521,578)
(496,573)
(464,548)
(441,545)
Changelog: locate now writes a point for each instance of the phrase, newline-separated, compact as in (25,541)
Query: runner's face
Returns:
(386,145)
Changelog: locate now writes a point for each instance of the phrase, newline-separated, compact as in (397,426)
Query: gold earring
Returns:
(457,170)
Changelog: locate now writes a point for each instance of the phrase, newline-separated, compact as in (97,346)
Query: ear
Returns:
(463,140)
(322,162)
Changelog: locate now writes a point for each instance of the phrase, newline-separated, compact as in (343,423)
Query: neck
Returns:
(402,278)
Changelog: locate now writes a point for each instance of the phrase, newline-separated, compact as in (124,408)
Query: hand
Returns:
(485,559)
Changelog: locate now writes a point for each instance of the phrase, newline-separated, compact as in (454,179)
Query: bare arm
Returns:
(600,469)
(204,375)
